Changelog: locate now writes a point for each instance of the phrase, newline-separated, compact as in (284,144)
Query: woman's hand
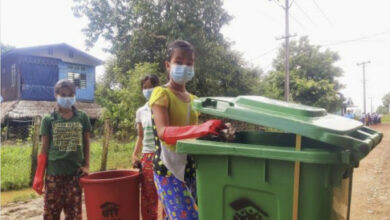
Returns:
(138,146)
(84,171)
(136,161)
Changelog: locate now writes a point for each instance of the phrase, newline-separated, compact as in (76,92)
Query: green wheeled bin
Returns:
(303,171)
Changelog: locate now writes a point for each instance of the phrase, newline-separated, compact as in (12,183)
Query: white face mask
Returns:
(66,102)
(182,74)
(147,93)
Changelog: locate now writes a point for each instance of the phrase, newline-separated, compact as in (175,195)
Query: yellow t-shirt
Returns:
(180,113)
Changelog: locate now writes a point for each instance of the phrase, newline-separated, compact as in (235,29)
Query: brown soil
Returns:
(31,210)
(371,184)
(370,194)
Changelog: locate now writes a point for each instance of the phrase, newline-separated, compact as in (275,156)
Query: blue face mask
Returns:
(182,74)
(147,93)
(66,102)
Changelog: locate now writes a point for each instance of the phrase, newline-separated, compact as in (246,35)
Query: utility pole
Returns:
(286,37)
(364,83)
(371,104)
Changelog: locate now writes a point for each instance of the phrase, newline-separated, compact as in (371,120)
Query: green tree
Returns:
(386,101)
(382,110)
(139,31)
(122,100)
(313,76)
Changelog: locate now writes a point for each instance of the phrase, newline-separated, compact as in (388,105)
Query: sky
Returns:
(358,30)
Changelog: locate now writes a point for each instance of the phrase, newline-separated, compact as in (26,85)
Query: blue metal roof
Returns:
(37,50)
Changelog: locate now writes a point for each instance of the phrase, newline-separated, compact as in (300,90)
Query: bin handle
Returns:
(360,141)
(212,103)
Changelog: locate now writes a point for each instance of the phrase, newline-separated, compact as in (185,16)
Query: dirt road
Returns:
(29,210)
(370,194)
(371,184)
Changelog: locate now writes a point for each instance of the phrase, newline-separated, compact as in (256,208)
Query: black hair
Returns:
(64,83)
(178,44)
(153,79)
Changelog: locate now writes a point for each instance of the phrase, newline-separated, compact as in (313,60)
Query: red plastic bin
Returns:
(112,195)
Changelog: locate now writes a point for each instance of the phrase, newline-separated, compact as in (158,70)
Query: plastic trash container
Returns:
(112,195)
(303,172)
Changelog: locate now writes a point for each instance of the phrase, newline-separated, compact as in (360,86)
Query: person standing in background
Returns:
(145,142)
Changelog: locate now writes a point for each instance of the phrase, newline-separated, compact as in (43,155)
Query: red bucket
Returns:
(112,195)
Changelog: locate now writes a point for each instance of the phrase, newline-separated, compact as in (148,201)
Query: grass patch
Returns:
(386,118)
(119,155)
(16,161)
(15,166)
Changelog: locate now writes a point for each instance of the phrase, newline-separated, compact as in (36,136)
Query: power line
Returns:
(293,18)
(276,21)
(322,12)
(303,12)
(280,5)
(263,54)
(268,66)
(298,22)
(357,39)
(291,3)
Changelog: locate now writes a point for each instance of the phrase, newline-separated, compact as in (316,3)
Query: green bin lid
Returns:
(303,120)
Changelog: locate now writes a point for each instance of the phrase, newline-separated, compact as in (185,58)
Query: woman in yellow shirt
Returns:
(173,119)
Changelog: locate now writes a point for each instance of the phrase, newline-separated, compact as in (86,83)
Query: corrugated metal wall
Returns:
(87,90)
(35,77)
(38,77)
(10,79)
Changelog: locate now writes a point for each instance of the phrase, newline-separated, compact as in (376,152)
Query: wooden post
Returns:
(106,141)
(7,131)
(35,146)
(297,171)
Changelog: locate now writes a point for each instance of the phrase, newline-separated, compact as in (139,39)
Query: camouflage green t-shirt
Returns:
(65,154)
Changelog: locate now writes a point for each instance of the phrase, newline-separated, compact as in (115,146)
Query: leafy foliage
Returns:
(313,76)
(386,101)
(140,30)
(122,100)
(382,110)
